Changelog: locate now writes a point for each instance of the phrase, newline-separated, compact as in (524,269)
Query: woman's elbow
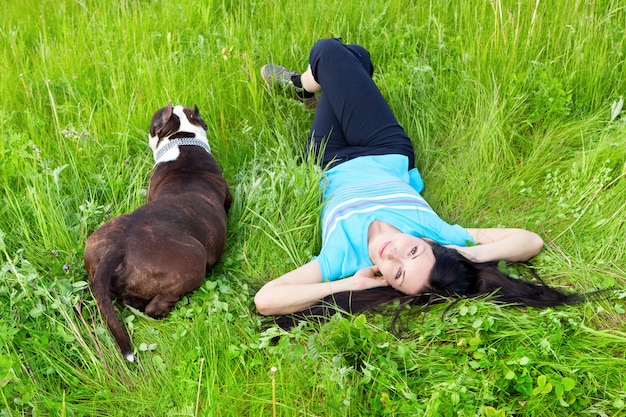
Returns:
(263,303)
(535,243)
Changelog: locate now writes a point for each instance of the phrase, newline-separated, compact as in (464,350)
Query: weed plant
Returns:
(515,109)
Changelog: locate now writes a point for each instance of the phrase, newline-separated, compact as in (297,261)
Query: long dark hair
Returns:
(452,276)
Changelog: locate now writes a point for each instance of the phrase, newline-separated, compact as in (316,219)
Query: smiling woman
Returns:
(377,230)
(403,260)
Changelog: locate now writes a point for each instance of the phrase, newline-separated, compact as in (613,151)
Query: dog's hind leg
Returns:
(182,271)
(161,305)
(138,303)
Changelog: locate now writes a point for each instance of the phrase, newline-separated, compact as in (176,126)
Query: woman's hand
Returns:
(465,251)
(366,278)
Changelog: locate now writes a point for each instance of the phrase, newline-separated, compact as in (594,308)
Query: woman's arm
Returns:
(303,287)
(497,244)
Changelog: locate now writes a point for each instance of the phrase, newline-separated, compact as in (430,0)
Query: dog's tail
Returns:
(101,287)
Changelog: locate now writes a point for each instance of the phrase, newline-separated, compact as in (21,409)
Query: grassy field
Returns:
(514,109)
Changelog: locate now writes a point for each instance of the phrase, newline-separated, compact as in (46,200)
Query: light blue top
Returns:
(369,188)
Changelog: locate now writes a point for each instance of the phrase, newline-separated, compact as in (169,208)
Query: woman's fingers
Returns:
(369,278)
(369,271)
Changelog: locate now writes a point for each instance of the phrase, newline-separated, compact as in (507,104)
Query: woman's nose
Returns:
(391,253)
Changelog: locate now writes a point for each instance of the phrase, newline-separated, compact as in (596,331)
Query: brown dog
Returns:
(153,256)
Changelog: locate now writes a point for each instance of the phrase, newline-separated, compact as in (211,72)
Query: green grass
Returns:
(509,106)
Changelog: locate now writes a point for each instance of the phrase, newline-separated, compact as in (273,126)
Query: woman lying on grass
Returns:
(380,239)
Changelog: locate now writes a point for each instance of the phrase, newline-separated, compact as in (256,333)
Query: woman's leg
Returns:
(352,118)
(309,83)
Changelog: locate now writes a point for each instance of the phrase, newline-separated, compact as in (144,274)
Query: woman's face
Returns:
(404,261)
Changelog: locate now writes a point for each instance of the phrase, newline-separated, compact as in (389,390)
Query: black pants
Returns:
(352,118)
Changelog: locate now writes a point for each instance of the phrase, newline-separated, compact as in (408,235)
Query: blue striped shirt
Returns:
(369,188)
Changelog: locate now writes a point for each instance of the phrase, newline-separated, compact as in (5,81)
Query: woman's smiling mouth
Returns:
(382,248)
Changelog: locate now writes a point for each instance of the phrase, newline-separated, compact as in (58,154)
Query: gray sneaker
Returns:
(282,78)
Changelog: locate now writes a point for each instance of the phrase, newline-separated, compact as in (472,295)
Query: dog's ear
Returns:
(160,119)
(197,118)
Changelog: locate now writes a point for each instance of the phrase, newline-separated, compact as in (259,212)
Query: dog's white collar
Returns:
(160,153)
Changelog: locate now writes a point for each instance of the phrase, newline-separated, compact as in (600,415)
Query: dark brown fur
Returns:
(152,257)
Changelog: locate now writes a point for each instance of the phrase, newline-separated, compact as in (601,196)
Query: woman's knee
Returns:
(363,55)
(334,49)
(324,47)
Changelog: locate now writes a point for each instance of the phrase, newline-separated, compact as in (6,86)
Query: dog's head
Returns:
(176,122)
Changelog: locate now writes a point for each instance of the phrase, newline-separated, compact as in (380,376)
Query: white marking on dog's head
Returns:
(184,125)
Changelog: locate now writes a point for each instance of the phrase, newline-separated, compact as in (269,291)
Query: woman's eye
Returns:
(413,250)
(398,274)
